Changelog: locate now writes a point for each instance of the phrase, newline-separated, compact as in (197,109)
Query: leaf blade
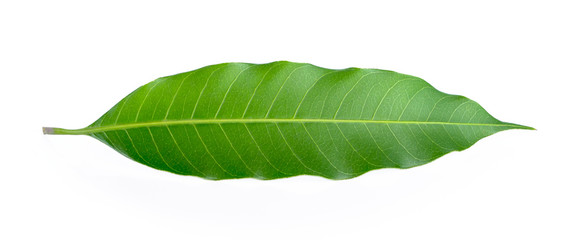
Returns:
(282,119)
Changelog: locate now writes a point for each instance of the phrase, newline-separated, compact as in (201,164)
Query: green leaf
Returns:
(282,119)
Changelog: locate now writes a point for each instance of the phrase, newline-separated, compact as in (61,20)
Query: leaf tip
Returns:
(517,126)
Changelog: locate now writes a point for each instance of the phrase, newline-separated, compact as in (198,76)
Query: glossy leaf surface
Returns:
(267,121)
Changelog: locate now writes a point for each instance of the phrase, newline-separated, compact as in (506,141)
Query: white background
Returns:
(64,63)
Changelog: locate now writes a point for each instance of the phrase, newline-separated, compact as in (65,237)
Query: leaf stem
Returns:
(61,131)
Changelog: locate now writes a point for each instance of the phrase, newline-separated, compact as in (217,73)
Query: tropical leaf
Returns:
(282,119)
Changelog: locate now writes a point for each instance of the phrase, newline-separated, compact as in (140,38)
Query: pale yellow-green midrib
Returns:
(91,130)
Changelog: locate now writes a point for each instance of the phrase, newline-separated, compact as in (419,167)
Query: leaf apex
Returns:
(518,126)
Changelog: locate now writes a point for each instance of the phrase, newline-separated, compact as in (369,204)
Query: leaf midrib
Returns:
(91,130)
